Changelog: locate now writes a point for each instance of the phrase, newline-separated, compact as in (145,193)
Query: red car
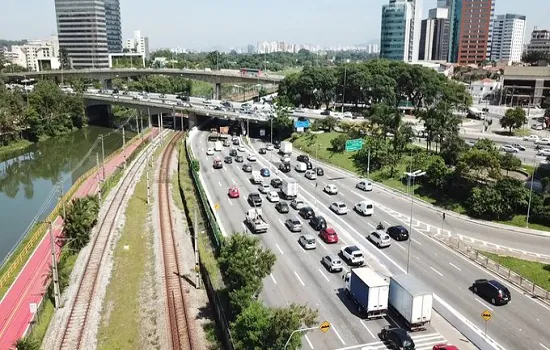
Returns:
(233,192)
(444,347)
(328,235)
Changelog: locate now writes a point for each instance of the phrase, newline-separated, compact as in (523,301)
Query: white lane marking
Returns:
(482,303)
(367,328)
(233,181)
(202,149)
(220,183)
(415,241)
(323,244)
(229,200)
(400,246)
(543,346)
(245,228)
(280,250)
(371,225)
(212,169)
(272,278)
(308,342)
(456,267)
(225,168)
(282,223)
(387,223)
(434,270)
(337,334)
(299,279)
(323,275)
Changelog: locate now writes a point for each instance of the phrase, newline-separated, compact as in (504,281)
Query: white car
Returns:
(297,204)
(537,127)
(241,149)
(379,238)
(251,158)
(264,188)
(339,208)
(544,152)
(269,147)
(348,115)
(308,241)
(509,149)
(365,208)
(331,189)
(285,159)
(543,141)
(209,151)
(364,185)
(272,196)
(533,138)
(353,255)
(311,174)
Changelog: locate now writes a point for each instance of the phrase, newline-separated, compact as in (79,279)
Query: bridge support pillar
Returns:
(218,92)
(192,120)
(108,84)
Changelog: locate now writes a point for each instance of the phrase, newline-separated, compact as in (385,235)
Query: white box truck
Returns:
(256,177)
(412,300)
(286,147)
(289,189)
(218,146)
(368,290)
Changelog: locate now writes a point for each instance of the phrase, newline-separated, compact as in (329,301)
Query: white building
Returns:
(138,44)
(35,55)
(507,41)
(482,88)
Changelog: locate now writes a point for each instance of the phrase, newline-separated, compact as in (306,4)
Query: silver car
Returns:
(294,225)
(307,241)
(332,263)
(339,208)
(379,238)
(297,204)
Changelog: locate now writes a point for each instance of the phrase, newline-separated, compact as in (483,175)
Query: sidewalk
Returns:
(30,286)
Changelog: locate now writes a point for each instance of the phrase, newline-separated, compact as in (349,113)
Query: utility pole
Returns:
(62,199)
(54,268)
(248,128)
(344,89)
(102,156)
(137,124)
(197,261)
(160,127)
(531,195)
(147,172)
(98,177)
(124,146)
(368,164)
(173,118)
(141,124)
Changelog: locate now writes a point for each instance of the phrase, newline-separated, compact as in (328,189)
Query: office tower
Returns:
(471,24)
(507,41)
(434,36)
(138,44)
(444,3)
(114,28)
(82,32)
(540,41)
(400,32)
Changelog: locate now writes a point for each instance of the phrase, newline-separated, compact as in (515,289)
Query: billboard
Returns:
(302,124)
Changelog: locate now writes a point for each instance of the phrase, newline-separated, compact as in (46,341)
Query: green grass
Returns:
(14,146)
(537,272)
(201,89)
(286,71)
(520,220)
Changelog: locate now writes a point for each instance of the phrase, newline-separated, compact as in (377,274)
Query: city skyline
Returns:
(277,23)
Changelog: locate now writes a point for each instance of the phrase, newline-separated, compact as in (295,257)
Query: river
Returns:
(28,177)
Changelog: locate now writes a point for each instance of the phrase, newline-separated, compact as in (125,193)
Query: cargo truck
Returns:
(255,221)
(412,300)
(218,146)
(368,290)
(256,177)
(286,147)
(289,189)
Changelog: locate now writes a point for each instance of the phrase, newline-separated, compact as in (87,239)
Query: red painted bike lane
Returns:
(30,285)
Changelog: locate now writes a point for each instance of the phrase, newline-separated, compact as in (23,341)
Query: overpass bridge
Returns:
(215,77)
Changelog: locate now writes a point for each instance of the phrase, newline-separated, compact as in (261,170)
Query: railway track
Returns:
(79,316)
(179,321)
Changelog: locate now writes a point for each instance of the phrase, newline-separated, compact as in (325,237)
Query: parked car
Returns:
(318,223)
(306,212)
(293,224)
(307,241)
(544,152)
(399,233)
(329,235)
(339,208)
(364,185)
(353,255)
(492,290)
(276,183)
(537,127)
(333,263)
(380,238)
(331,189)
(398,338)
(297,204)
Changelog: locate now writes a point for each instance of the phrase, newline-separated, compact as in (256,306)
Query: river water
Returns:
(28,177)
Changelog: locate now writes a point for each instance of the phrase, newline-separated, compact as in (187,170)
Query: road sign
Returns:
(486,315)
(354,145)
(216,206)
(33,307)
(325,326)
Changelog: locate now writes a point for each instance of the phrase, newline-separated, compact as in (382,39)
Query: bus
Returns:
(251,72)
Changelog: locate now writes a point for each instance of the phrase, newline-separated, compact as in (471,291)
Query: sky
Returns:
(202,24)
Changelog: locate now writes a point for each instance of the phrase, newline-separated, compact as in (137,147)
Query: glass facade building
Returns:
(395,33)
(113,24)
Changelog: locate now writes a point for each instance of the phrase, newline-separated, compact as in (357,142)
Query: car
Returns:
(444,347)
(365,208)
(518,146)
(228,160)
(297,204)
(544,152)
(398,338)
(306,212)
(353,255)
(331,189)
(311,174)
(262,151)
(226,143)
(239,159)
(319,171)
(339,208)
(543,141)
(282,207)
(318,223)
(333,263)
(284,159)
(307,241)
(273,196)
(347,115)
(537,127)
(251,158)
(247,168)
(265,172)
(233,152)
(263,188)
(285,167)
(209,151)
(379,238)
(364,185)
(328,235)
(309,165)
(531,138)
(162,96)
(302,158)
(293,224)
(509,149)
(233,192)
(276,182)
(269,147)
(255,199)
(325,112)
(399,233)
(492,290)
(236,142)
(217,163)
(240,148)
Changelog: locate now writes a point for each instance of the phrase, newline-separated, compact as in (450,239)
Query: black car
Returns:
(325,112)
(227,104)
(306,212)
(282,207)
(239,159)
(162,96)
(302,158)
(276,183)
(276,144)
(263,151)
(235,141)
(228,160)
(492,290)
(247,168)
(399,233)
(285,167)
(233,152)
(309,165)
(399,338)
(319,171)
(318,223)
(254,199)
(184,98)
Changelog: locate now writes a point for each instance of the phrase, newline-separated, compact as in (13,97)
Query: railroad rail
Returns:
(79,316)
(180,323)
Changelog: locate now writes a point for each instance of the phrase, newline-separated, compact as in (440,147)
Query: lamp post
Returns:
(55,274)
(60,184)
(300,330)
(344,90)
(411,176)
(531,195)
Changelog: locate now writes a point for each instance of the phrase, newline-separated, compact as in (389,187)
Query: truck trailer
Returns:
(368,290)
(412,300)
(289,189)
(286,147)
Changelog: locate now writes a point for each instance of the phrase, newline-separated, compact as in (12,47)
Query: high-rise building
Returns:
(82,32)
(507,41)
(444,3)
(540,41)
(113,24)
(250,49)
(434,36)
(471,25)
(400,32)
(138,44)
(35,55)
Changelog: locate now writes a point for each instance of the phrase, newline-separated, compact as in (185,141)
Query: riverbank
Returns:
(13,147)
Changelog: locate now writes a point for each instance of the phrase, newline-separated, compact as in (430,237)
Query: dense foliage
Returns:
(80,219)
(157,84)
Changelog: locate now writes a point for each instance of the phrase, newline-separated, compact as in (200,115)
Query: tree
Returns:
(81,217)
(509,162)
(338,143)
(329,123)
(513,118)
(437,173)
(485,203)
(248,330)
(479,165)
(27,343)
(282,121)
(64,61)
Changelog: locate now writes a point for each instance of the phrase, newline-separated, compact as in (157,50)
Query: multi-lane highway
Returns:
(299,277)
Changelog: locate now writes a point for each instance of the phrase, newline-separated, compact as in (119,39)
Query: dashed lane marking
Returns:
(456,267)
(338,334)
(367,328)
(280,250)
(309,342)
(299,279)
(272,278)
(434,270)
(323,274)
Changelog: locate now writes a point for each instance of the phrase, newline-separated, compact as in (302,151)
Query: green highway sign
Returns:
(354,145)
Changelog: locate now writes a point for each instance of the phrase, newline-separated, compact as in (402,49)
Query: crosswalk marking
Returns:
(421,341)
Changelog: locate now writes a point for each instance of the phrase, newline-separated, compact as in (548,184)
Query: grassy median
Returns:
(533,271)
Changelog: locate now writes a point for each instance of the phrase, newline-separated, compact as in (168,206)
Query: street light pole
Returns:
(55,274)
(300,330)
(344,90)
(530,196)
(61,198)
(410,181)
